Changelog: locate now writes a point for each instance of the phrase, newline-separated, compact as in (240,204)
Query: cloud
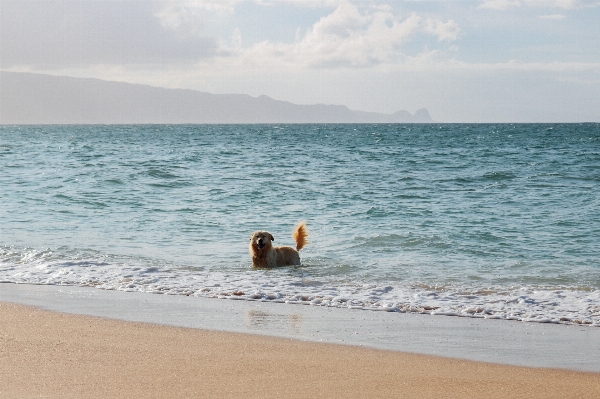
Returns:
(500,4)
(443,30)
(352,37)
(509,66)
(564,4)
(55,34)
(185,14)
(302,3)
(176,15)
(553,16)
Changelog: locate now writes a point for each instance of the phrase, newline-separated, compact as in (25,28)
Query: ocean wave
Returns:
(564,305)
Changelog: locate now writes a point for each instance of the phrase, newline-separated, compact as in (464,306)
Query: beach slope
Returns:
(56,355)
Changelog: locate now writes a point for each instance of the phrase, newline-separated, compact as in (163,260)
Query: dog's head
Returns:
(261,241)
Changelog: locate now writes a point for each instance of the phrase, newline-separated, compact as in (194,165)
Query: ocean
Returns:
(475,220)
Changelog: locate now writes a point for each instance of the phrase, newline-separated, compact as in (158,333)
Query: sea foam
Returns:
(533,304)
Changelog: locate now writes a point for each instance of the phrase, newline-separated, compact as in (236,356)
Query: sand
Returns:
(48,354)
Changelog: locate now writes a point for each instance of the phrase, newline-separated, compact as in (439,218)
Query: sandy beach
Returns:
(48,354)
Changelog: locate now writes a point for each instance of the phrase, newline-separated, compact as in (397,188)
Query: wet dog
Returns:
(264,254)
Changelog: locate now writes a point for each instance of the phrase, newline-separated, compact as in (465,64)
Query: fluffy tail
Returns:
(300,235)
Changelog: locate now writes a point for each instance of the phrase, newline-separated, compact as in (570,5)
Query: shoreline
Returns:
(59,355)
(486,340)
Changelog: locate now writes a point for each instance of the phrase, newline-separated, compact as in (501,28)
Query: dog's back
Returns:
(286,256)
(289,256)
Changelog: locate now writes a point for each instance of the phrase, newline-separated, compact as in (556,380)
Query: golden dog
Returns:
(264,254)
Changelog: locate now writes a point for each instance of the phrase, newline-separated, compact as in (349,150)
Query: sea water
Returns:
(476,220)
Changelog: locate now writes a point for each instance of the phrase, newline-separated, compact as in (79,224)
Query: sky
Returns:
(465,61)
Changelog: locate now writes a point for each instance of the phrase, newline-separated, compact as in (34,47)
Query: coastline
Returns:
(507,342)
(59,355)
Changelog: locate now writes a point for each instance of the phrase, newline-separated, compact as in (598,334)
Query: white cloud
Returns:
(553,16)
(500,4)
(176,15)
(55,34)
(443,30)
(183,13)
(351,37)
(512,65)
(302,3)
(564,4)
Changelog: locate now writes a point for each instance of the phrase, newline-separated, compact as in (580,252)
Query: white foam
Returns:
(530,304)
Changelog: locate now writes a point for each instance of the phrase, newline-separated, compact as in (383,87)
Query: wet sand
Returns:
(486,340)
(56,355)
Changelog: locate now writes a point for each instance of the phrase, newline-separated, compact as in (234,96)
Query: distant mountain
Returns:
(27,98)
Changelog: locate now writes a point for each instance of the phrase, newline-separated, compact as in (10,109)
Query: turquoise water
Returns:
(476,220)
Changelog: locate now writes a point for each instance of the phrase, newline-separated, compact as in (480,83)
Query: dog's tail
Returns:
(300,235)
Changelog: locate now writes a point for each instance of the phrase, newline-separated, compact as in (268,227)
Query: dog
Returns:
(265,255)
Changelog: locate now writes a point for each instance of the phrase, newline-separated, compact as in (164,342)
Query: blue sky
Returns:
(465,61)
